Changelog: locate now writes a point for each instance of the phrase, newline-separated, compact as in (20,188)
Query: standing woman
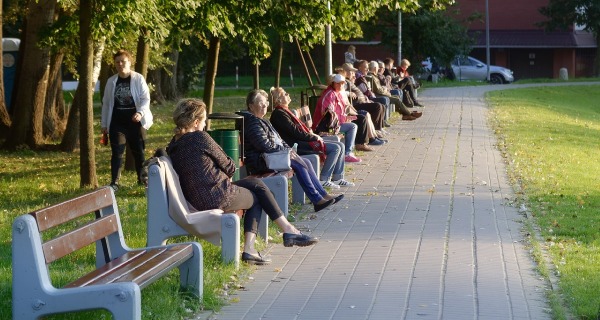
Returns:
(125,115)
(205,173)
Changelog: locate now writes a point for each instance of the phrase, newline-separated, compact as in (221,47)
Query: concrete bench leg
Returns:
(230,239)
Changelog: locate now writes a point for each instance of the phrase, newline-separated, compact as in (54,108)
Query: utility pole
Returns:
(400,35)
(328,58)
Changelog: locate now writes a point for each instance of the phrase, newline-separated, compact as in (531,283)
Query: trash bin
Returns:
(229,139)
(10,53)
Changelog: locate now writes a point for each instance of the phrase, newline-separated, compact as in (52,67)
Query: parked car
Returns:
(469,68)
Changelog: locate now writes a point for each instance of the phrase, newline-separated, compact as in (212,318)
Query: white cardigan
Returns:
(141,98)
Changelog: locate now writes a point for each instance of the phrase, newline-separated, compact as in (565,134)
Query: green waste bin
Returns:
(229,140)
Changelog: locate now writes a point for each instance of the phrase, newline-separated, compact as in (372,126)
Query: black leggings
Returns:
(119,134)
(254,196)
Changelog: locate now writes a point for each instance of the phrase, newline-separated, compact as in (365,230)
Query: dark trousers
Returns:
(254,196)
(376,110)
(121,134)
(408,88)
(361,130)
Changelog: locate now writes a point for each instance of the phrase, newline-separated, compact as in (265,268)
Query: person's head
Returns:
(337,81)
(404,63)
(381,68)
(189,115)
(351,49)
(349,70)
(388,63)
(257,102)
(363,66)
(373,66)
(123,60)
(280,97)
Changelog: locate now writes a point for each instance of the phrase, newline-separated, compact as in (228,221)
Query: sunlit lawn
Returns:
(31,180)
(551,137)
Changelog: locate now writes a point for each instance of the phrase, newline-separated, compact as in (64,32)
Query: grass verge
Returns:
(31,180)
(550,136)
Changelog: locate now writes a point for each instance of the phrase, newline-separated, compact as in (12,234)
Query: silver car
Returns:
(469,68)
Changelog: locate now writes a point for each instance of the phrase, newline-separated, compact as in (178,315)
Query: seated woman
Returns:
(205,173)
(292,130)
(334,100)
(260,137)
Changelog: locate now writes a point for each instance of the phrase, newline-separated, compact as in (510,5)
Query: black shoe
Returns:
(338,198)
(300,240)
(115,187)
(252,259)
(319,207)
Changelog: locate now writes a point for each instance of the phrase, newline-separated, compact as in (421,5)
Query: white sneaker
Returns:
(343,183)
(329,184)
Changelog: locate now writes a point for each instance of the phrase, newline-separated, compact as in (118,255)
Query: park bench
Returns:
(120,272)
(169,214)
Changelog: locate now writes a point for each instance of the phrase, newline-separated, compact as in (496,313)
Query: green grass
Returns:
(550,138)
(31,180)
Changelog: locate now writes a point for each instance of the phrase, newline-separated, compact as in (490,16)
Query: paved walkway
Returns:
(427,233)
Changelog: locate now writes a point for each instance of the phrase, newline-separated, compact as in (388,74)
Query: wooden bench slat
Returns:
(60,213)
(139,266)
(159,265)
(79,238)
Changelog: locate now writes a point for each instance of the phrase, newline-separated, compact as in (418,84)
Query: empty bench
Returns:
(120,272)
(170,215)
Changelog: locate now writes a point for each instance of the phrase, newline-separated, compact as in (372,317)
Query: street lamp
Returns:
(487,38)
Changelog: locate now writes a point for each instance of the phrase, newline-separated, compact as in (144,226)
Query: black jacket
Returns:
(259,137)
(291,133)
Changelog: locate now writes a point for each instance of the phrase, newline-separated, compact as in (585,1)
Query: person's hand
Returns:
(352,95)
(137,117)
(319,138)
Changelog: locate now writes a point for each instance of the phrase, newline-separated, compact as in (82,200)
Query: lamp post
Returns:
(328,54)
(400,35)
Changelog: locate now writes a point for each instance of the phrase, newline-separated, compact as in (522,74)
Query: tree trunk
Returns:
(310,83)
(4,116)
(279,59)
(256,76)
(87,159)
(70,139)
(169,78)
(32,83)
(53,126)
(154,77)
(211,74)
(597,59)
(142,53)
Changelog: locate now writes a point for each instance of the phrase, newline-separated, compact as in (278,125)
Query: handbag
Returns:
(329,123)
(278,160)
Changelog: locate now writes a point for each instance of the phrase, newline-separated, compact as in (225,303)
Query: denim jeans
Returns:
(334,163)
(349,130)
(308,180)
